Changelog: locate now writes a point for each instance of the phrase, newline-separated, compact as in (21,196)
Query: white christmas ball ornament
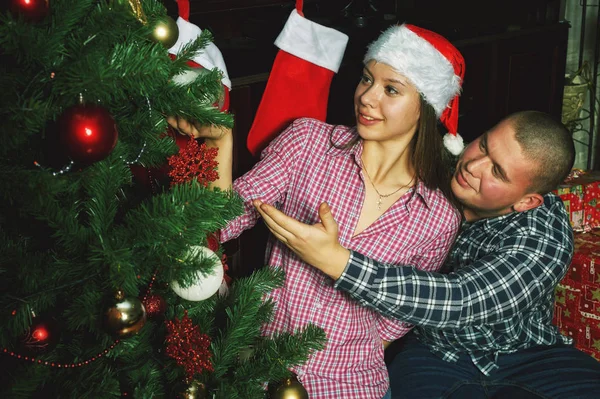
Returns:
(204,286)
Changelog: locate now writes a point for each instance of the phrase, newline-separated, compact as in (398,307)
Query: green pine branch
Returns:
(72,233)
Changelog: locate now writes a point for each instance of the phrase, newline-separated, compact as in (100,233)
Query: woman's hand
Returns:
(214,137)
(193,129)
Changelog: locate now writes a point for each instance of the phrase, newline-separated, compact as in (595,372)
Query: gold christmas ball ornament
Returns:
(124,316)
(195,390)
(289,388)
(165,31)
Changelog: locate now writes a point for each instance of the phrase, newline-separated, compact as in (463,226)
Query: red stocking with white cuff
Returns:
(298,86)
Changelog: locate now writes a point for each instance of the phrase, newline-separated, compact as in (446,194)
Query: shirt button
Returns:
(318,305)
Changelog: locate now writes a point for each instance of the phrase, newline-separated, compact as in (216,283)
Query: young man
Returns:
(484,328)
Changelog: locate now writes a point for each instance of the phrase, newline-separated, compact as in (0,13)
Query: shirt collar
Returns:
(492,222)
(488,223)
(423,192)
(340,137)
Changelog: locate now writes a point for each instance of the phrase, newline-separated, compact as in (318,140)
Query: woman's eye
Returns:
(391,90)
(365,79)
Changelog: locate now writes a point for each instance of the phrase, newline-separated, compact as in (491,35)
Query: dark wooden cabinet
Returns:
(512,72)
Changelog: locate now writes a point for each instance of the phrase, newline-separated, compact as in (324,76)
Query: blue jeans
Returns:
(388,394)
(559,371)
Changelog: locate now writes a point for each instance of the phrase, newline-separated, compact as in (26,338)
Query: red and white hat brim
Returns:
(417,59)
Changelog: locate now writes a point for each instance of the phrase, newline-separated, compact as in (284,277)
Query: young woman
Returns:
(387,183)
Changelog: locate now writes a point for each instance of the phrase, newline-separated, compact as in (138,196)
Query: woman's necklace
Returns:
(382,196)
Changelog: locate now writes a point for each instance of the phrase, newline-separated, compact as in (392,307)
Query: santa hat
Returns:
(432,64)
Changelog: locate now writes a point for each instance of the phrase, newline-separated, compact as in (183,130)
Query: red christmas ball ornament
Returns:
(41,336)
(155,305)
(88,132)
(31,10)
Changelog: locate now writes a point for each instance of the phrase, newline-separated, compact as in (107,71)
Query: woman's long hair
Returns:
(433,163)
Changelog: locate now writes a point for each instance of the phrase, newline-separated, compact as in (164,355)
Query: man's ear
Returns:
(529,201)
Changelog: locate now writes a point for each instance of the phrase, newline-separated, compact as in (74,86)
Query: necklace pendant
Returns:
(379,203)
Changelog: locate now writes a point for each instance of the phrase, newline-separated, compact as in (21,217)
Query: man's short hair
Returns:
(546,142)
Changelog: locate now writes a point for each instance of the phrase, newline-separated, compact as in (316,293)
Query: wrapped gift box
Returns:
(589,303)
(571,330)
(581,196)
(589,339)
(577,299)
(585,265)
(566,306)
(572,197)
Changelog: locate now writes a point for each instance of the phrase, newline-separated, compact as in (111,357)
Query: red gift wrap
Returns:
(589,340)
(577,301)
(581,195)
(572,197)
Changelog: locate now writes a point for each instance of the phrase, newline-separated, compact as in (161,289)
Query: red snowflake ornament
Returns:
(155,305)
(188,346)
(194,161)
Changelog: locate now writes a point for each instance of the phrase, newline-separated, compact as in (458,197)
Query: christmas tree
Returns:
(106,291)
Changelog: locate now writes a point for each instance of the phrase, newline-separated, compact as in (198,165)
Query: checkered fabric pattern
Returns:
(299,170)
(498,296)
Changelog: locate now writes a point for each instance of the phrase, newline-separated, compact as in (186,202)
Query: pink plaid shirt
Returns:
(298,171)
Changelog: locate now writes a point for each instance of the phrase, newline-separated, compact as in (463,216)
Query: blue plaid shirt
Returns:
(498,294)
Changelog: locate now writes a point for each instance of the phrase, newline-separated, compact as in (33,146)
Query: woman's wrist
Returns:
(225,138)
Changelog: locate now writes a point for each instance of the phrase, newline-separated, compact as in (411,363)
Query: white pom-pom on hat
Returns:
(454,143)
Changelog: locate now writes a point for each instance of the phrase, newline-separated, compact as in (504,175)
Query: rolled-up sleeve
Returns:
(268,180)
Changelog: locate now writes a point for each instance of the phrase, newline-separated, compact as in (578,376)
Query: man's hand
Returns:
(317,245)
